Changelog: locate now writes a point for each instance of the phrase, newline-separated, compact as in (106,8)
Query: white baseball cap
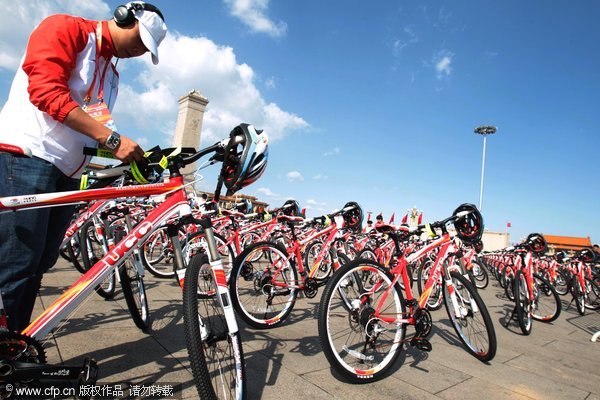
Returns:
(152,30)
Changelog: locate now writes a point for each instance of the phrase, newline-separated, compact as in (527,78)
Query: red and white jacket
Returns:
(54,77)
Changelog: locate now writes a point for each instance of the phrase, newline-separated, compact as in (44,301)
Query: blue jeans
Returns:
(30,239)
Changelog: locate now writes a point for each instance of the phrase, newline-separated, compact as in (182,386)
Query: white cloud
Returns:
(266,192)
(490,54)
(199,63)
(332,152)
(314,205)
(26,15)
(252,13)
(294,176)
(443,64)
(320,176)
(270,83)
(186,63)
(409,37)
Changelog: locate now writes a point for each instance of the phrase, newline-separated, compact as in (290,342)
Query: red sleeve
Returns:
(50,57)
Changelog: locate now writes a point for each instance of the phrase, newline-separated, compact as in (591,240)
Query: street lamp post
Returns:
(483,130)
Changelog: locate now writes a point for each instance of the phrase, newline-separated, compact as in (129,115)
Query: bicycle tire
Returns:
(252,289)
(547,305)
(592,301)
(325,269)
(91,253)
(522,303)
(367,254)
(561,283)
(134,290)
(216,357)
(504,275)
(466,325)
(481,275)
(578,295)
(154,257)
(436,297)
(73,249)
(343,332)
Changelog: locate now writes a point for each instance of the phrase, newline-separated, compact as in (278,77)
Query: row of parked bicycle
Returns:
(368,278)
(234,264)
(375,284)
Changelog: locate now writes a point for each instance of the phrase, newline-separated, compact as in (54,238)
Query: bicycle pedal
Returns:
(421,344)
(89,372)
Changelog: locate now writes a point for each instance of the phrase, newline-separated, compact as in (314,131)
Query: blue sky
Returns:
(376,102)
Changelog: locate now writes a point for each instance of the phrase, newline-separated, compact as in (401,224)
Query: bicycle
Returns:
(362,342)
(23,355)
(535,298)
(264,280)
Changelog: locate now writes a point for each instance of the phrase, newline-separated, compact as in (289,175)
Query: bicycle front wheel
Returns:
(578,295)
(480,274)
(216,354)
(592,300)
(470,317)
(522,303)
(546,303)
(134,292)
(359,342)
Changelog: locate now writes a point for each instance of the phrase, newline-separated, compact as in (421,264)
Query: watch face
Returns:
(113,141)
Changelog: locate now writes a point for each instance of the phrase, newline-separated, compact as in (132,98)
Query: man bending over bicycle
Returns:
(59,102)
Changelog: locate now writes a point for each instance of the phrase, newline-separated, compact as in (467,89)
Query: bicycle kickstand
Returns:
(512,316)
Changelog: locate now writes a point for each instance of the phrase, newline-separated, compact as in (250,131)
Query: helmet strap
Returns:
(225,159)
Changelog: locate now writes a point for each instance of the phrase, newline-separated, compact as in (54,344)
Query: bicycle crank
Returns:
(23,364)
(311,287)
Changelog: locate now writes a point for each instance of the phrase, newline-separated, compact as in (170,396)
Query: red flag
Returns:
(392,218)
(405,219)
(420,219)
(303,213)
(508,225)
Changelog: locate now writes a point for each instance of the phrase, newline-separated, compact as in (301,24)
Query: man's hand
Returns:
(80,121)
(128,151)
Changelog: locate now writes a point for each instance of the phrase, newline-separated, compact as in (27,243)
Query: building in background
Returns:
(570,244)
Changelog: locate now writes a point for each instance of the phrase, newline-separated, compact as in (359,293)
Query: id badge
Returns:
(100,112)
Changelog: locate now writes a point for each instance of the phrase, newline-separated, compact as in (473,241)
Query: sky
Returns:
(376,102)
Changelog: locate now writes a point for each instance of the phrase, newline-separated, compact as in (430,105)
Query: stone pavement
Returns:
(557,361)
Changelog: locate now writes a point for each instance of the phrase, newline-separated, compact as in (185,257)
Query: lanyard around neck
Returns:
(97,68)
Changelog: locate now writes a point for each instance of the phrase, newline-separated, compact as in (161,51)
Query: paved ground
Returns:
(557,361)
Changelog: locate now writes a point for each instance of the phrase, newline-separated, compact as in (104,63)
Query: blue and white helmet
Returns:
(246,161)
(244,206)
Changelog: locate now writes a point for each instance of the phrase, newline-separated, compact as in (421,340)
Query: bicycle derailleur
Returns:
(23,364)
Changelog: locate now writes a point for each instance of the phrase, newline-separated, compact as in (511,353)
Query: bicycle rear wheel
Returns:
(473,323)
(216,355)
(263,292)
(356,340)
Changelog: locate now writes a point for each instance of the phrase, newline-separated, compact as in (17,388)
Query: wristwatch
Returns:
(113,141)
